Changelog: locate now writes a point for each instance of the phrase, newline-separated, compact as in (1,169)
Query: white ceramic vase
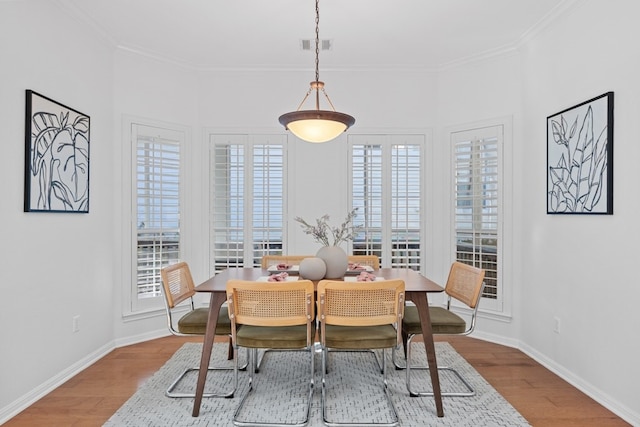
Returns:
(313,268)
(336,260)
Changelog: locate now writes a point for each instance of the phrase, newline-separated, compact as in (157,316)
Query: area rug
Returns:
(354,392)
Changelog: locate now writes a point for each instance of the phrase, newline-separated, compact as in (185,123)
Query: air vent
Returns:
(310,44)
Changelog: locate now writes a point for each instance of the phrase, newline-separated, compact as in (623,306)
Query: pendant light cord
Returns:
(317,41)
(317,54)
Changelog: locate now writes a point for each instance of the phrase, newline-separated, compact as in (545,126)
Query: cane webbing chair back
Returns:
(269,260)
(465,283)
(177,283)
(271,303)
(361,303)
(372,261)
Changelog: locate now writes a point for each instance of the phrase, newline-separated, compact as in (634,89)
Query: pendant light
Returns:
(316,125)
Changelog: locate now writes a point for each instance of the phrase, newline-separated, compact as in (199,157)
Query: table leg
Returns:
(420,300)
(217,298)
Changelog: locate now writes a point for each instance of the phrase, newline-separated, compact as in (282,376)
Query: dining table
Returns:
(417,286)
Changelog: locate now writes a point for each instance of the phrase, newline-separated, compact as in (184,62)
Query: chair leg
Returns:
(253,368)
(170,393)
(228,394)
(231,353)
(394,359)
(375,356)
(414,393)
(394,353)
(330,423)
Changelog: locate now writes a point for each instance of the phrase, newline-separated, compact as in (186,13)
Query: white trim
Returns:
(587,388)
(128,222)
(388,137)
(52,383)
(503,305)
(248,139)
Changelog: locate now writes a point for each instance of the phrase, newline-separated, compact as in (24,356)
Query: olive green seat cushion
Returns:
(195,322)
(277,337)
(360,337)
(443,321)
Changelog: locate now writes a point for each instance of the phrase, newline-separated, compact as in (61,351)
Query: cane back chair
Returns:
(178,288)
(274,316)
(359,316)
(464,284)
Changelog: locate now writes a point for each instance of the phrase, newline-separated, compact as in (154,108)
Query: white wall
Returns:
(479,94)
(579,269)
(54,266)
(160,93)
(381,100)
(582,269)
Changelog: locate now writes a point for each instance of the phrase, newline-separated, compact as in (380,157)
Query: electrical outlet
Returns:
(76,324)
(556,325)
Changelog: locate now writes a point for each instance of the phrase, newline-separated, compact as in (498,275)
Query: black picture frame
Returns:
(56,156)
(580,158)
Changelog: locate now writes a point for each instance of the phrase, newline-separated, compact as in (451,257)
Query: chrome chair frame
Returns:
(171,326)
(253,354)
(382,365)
(470,391)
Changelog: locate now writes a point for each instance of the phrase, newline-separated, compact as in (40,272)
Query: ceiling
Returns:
(238,34)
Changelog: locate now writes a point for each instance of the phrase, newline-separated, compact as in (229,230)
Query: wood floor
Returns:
(92,396)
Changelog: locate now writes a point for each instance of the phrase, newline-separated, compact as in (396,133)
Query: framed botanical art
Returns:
(56,157)
(580,158)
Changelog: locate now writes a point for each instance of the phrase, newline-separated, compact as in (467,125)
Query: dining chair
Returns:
(275,316)
(179,289)
(371,260)
(270,260)
(464,284)
(359,316)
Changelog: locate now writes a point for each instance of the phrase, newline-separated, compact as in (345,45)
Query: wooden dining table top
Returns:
(414,281)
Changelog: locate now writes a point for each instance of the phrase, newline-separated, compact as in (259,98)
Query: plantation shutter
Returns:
(406,199)
(477,235)
(247,198)
(386,187)
(157,204)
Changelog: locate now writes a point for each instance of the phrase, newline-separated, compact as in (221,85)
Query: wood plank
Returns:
(92,396)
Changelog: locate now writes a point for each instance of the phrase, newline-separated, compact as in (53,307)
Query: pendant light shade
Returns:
(316,125)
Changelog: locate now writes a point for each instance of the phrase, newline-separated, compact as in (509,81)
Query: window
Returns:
(247,198)
(387,189)
(477,233)
(156,205)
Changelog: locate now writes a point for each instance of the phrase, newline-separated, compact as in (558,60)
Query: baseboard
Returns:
(496,339)
(593,392)
(54,382)
(147,336)
(596,394)
(42,390)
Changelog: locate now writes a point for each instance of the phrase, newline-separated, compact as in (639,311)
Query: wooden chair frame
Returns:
(269,260)
(371,260)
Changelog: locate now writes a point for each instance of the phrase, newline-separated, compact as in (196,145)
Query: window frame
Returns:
(249,141)
(387,140)
(502,128)
(134,307)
